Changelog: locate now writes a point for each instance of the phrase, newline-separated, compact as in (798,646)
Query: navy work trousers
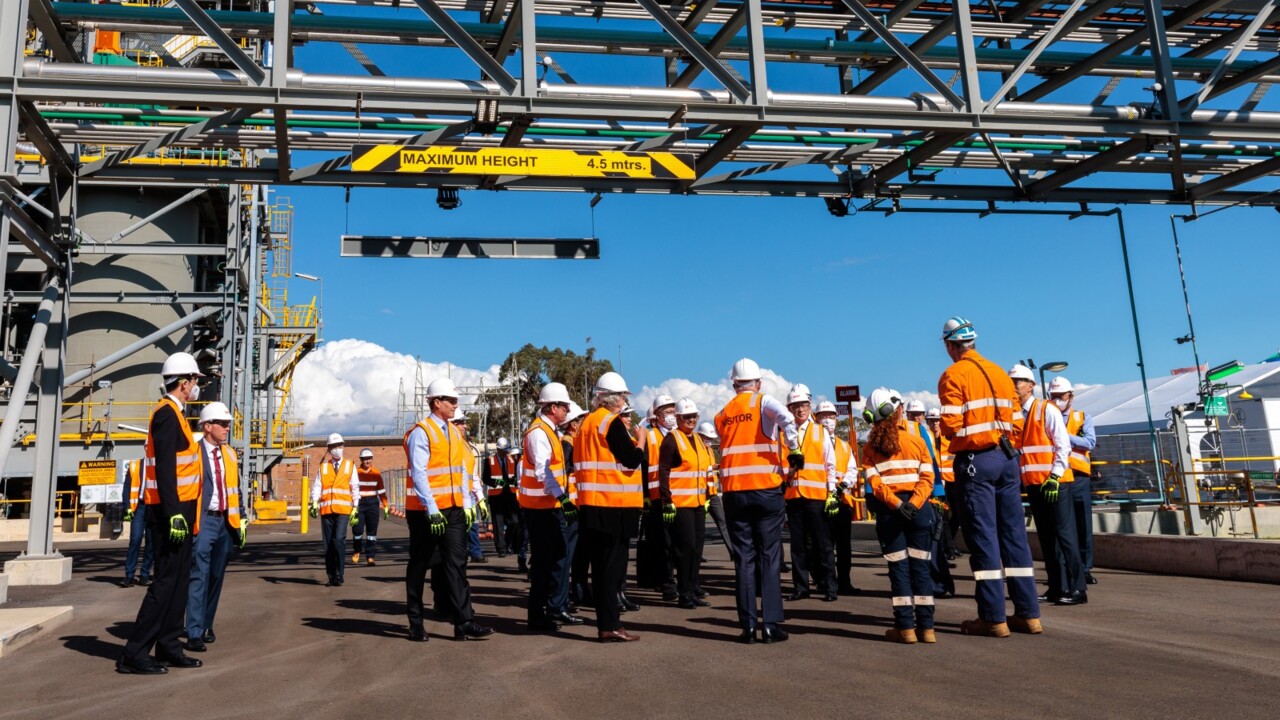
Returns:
(755,528)
(906,545)
(994,530)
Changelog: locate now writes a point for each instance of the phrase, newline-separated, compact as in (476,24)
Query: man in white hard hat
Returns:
(1046,478)
(980,417)
(1083,441)
(606,464)
(171,490)
(811,495)
(333,493)
(371,507)
(139,529)
(841,523)
(221,525)
(550,513)
(479,501)
(654,565)
(684,467)
(438,510)
(751,477)
(501,475)
(715,503)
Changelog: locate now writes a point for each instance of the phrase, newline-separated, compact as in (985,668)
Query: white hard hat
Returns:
(881,405)
(366,453)
(933,414)
(627,410)
(180,364)
(442,387)
(826,406)
(335,439)
(458,415)
(799,394)
(708,430)
(660,402)
(553,393)
(503,444)
(745,370)
(1060,385)
(517,451)
(575,412)
(958,329)
(915,406)
(214,411)
(1021,372)
(611,382)
(686,407)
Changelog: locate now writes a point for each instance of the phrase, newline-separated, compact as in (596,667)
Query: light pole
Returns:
(320,309)
(1056,366)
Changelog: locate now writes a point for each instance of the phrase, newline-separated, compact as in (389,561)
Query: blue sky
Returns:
(685,285)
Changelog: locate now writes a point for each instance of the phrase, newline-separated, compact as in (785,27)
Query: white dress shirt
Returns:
(775,416)
(828,451)
(215,503)
(540,453)
(420,455)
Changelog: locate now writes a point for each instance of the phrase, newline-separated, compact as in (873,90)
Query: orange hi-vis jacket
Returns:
(809,482)
(495,473)
(910,470)
(1079,460)
(653,441)
(446,468)
(1036,460)
(972,419)
(133,473)
(688,481)
(369,482)
(602,482)
(946,461)
(231,476)
(335,488)
(190,467)
(844,456)
(533,496)
(749,460)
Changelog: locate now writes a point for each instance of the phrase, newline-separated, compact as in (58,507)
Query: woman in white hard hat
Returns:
(899,470)
(372,502)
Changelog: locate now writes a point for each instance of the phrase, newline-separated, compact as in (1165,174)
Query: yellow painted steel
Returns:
(452,160)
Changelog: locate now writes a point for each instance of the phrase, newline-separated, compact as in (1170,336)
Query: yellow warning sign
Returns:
(451,160)
(97,472)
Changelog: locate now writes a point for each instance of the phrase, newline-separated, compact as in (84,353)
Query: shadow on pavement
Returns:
(357,626)
(293,580)
(93,646)
(379,607)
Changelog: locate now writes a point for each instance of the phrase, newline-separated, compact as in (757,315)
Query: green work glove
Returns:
(244,535)
(314,511)
(706,506)
(570,510)
(833,503)
(355,518)
(386,511)
(438,523)
(178,528)
(483,506)
(128,516)
(1050,489)
(668,513)
(470,515)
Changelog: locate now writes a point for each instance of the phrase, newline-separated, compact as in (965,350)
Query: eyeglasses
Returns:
(451,401)
(687,417)
(221,423)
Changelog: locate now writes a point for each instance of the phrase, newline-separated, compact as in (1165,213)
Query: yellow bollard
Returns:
(306,503)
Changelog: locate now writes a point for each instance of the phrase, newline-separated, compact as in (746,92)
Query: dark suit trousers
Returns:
(447,555)
(162,616)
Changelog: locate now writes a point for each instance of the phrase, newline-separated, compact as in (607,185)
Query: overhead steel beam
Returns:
(270,375)
(831,157)
(899,11)
(470,247)
(1212,187)
(695,50)
(46,19)
(1158,43)
(225,42)
(1219,42)
(177,136)
(469,45)
(1262,69)
(510,31)
(971,90)
(1189,104)
(935,35)
(1023,11)
(915,157)
(496,10)
(722,147)
(156,215)
(699,13)
(284,160)
(169,249)
(150,339)
(140,297)
(45,139)
(1097,162)
(1041,45)
(426,138)
(756,53)
(718,43)
(30,233)
(675,136)
(48,299)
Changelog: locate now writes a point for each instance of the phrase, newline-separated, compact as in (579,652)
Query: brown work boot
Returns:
(905,636)
(370,561)
(984,628)
(1031,626)
(355,558)
(926,635)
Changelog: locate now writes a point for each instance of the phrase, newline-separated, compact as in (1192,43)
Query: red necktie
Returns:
(219,487)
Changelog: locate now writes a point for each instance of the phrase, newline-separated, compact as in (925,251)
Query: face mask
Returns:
(669,422)
(829,424)
(336,453)
(195,393)
(1062,404)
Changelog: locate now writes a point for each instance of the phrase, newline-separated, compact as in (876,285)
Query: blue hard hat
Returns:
(957,329)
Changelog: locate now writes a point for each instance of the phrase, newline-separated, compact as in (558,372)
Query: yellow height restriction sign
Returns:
(97,472)
(449,160)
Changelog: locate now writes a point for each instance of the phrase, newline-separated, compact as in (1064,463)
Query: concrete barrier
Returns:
(1206,557)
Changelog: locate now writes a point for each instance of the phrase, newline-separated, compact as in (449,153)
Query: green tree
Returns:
(530,368)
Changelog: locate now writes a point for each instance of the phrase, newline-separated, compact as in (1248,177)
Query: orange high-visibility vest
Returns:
(946,461)
(495,472)
(602,482)
(335,488)
(231,476)
(654,442)
(533,495)
(1079,460)
(446,468)
(688,481)
(749,460)
(910,470)
(973,419)
(190,468)
(133,473)
(844,456)
(1036,460)
(369,482)
(810,482)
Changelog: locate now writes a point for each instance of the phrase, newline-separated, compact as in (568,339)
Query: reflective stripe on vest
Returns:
(946,461)
(653,442)
(335,488)
(446,470)
(1079,460)
(901,473)
(965,390)
(231,476)
(495,474)
(1036,460)
(133,475)
(601,481)
(810,481)
(533,495)
(688,480)
(190,467)
(844,456)
(748,459)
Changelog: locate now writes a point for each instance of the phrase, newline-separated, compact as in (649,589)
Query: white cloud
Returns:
(353,386)
(710,397)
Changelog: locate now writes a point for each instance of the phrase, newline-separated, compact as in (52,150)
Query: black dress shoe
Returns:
(145,666)
(502,553)
(338,582)
(128,583)
(687,604)
(1078,597)
(625,603)
(480,560)
(799,595)
(545,625)
(670,597)
(565,618)
(471,631)
(196,645)
(699,593)
(785,567)
(1047,598)
(700,602)
(1090,579)
(522,565)
(180,661)
(144,582)
(209,637)
(418,635)
(829,597)
(331,583)
(848,590)
(747,637)
(773,634)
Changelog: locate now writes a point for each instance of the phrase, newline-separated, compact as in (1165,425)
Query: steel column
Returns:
(528,50)
(971,89)
(755,44)
(44,482)
(50,298)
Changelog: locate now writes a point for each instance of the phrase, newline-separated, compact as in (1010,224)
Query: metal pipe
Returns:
(139,344)
(27,368)
(155,215)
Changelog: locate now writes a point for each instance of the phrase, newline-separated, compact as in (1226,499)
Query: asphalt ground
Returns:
(1145,646)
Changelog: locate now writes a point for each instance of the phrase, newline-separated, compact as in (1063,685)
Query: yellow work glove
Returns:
(178,528)
(470,514)
(355,518)
(386,511)
(244,534)
(314,511)
(483,506)
(1050,489)
(438,523)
